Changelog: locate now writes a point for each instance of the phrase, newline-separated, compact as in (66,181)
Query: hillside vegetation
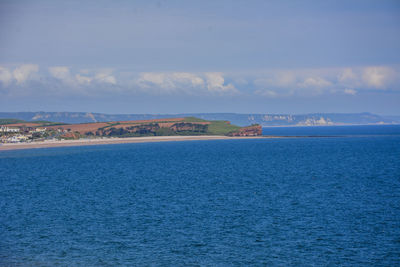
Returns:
(221,128)
(158,127)
(10,121)
(38,123)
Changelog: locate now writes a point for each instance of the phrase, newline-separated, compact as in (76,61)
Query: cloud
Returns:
(267,83)
(281,79)
(285,83)
(348,78)
(24,72)
(285,78)
(83,79)
(188,79)
(350,91)
(216,83)
(61,73)
(185,83)
(105,76)
(5,76)
(170,81)
(314,82)
(151,79)
(167,83)
(347,75)
(377,77)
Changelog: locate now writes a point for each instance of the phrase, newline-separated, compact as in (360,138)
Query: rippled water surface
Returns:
(284,202)
(356,130)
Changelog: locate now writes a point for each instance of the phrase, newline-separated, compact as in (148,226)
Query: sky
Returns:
(200,56)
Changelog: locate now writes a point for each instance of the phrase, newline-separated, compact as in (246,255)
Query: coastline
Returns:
(109,141)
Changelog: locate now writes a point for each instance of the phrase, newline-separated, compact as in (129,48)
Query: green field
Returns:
(216,127)
(221,128)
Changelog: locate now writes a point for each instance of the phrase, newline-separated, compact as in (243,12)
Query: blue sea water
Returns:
(358,130)
(329,201)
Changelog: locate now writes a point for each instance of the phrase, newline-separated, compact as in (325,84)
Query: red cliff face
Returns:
(254,130)
(70,135)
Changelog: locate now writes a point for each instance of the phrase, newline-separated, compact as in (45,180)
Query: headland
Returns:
(39,134)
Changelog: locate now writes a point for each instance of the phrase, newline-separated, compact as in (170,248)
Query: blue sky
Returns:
(200,56)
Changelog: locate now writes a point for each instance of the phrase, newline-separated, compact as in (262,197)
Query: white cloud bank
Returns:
(105,76)
(24,72)
(63,74)
(19,75)
(314,82)
(378,77)
(184,82)
(84,80)
(309,82)
(216,84)
(188,78)
(347,75)
(5,76)
(270,83)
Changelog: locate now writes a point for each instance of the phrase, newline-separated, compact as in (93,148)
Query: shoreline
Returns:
(110,141)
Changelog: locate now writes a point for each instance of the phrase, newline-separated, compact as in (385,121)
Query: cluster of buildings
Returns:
(6,129)
(20,134)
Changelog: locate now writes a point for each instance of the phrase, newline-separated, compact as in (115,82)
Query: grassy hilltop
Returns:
(216,127)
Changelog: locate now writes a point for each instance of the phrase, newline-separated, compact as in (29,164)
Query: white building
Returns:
(17,138)
(38,130)
(5,129)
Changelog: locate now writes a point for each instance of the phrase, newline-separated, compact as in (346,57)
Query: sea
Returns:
(332,199)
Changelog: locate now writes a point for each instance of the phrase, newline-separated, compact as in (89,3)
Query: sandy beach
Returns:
(107,141)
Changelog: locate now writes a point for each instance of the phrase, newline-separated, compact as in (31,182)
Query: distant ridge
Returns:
(265,120)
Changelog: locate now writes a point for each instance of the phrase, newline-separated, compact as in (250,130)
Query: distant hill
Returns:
(237,119)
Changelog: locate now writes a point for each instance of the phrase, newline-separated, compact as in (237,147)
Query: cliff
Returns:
(254,130)
(155,128)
